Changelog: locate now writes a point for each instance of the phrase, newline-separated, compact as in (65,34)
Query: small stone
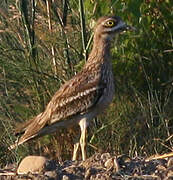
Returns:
(170,162)
(170,175)
(101,177)
(65,177)
(112,163)
(116,165)
(32,164)
(109,163)
(161,168)
(97,157)
(51,174)
(90,172)
(105,156)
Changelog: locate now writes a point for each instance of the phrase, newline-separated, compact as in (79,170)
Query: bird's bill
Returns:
(122,26)
(130,28)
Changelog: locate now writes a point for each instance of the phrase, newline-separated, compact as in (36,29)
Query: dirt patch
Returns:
(101,167)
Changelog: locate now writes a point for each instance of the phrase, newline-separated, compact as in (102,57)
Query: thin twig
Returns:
(83,27)
(50,29)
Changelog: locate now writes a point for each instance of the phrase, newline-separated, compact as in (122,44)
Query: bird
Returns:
(83,97)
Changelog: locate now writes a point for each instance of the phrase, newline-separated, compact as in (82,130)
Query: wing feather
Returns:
(76,96)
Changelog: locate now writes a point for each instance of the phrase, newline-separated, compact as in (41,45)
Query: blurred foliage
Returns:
(39,51)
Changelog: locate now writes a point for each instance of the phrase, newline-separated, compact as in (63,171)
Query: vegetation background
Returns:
(43,43)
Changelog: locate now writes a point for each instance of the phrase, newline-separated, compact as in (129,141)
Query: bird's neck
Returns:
(100,52)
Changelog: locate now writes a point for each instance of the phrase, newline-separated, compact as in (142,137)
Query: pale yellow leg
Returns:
(75,150)
(83,144)
(83,126)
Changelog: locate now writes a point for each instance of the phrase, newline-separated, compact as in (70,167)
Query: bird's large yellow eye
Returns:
(110,23)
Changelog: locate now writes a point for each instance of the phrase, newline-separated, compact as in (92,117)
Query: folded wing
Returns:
(76,96)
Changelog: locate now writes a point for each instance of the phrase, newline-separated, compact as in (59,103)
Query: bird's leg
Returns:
(83,144)
(83,126)
(75,150)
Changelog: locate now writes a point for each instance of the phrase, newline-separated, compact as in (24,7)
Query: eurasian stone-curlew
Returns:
(83,97)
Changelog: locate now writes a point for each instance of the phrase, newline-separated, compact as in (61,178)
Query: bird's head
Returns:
(108,26)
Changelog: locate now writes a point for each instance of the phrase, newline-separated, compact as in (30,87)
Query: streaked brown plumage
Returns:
(83,97)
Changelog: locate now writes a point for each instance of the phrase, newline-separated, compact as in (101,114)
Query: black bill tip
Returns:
(130,28)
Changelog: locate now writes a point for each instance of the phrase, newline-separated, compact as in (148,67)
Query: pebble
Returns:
(32,164)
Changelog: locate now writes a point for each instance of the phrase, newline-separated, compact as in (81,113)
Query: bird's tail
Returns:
(29,129)
(20,129)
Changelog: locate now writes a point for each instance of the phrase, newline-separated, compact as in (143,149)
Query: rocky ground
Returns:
(98,167)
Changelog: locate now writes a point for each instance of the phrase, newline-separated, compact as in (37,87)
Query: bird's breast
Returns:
(108,92)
